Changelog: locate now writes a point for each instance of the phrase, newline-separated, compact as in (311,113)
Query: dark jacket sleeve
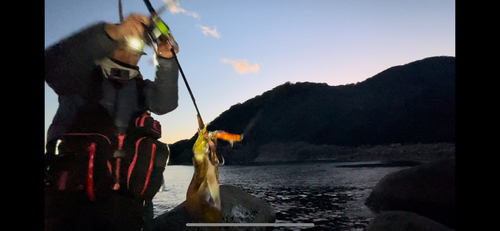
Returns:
(68,63)
(162,94)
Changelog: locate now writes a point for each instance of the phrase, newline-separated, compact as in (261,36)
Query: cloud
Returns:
(242,66)
(206,30)
(173,6)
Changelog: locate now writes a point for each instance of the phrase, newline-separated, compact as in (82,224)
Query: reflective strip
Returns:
(90,175)
(151,164)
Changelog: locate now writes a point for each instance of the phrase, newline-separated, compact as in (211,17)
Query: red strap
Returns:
(143,119)
(117,174)
(139,122)
(151,164)
(90,175)
(132,165)
(121,137)
(110,168)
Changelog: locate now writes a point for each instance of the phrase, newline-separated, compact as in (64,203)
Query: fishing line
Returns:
(200,121)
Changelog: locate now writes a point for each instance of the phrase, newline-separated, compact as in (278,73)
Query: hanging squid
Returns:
(203,198)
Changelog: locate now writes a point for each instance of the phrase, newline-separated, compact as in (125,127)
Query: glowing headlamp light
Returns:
(135,43)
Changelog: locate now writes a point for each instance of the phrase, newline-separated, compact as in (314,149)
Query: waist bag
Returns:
(145,125)
(82,163)
(146,158)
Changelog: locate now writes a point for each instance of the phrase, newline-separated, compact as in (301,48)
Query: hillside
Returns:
(411,103)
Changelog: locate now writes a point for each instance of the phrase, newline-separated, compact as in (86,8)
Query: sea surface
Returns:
(330,195)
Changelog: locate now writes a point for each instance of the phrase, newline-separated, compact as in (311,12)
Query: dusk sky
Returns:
(233,50)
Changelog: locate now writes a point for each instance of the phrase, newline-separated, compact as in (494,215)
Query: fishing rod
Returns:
(157,32)
(201,125)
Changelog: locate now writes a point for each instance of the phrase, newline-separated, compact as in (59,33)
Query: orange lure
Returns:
(228,136)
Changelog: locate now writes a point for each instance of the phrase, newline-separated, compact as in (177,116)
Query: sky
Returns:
(234,50)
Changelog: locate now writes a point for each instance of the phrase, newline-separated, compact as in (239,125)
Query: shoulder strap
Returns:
(91,116)
(141,97)
(94,86)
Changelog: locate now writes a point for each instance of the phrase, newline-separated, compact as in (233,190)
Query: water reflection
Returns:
(321,193)
(326,207)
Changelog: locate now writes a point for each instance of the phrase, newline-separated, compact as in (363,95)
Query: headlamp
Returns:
(135,43)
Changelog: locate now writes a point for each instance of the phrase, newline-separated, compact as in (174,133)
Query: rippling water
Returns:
(321,193)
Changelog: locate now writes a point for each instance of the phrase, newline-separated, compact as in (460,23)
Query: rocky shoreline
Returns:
(418,198)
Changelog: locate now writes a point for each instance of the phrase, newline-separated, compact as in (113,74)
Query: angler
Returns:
(103,158)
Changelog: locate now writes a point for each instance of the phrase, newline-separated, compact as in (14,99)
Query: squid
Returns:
(203,198)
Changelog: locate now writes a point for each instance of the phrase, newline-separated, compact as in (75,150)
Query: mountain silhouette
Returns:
(411,103)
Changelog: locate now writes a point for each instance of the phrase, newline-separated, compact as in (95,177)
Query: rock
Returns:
(404,221)
(237,207)
(427,189)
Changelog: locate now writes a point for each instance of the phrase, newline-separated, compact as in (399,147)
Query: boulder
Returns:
(404,221)
(237,207)
(427,189)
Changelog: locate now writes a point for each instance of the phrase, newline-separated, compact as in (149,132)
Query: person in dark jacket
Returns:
(96,67)
(70,64)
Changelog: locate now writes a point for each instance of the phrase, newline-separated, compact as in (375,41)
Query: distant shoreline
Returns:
(346,164)
(391,155)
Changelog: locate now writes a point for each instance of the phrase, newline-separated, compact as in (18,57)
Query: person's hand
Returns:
(133,25)
(165,49)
